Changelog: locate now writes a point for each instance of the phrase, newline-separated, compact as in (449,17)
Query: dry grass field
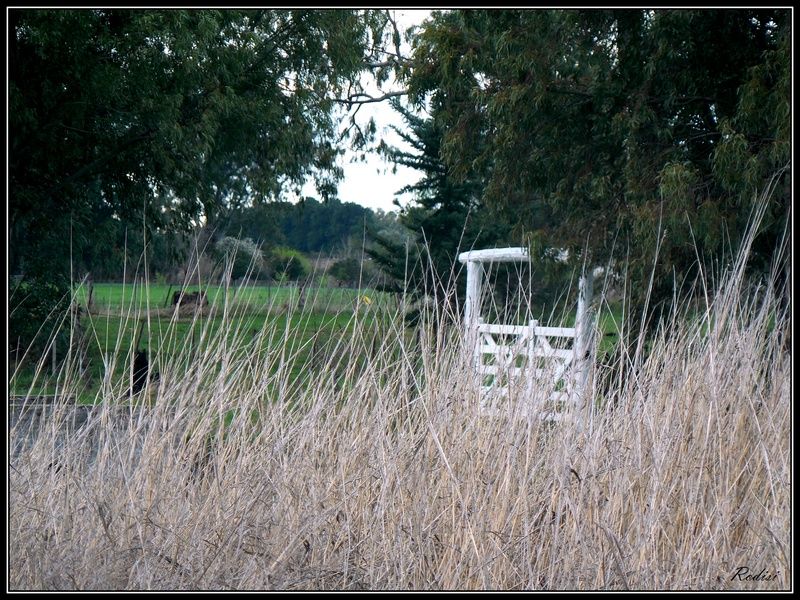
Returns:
(382,472)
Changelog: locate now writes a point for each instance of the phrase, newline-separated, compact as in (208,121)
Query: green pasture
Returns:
(174,343)
(124,317)
(258,318)
(256,298)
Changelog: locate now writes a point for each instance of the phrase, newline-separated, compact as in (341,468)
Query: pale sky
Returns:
(372,183)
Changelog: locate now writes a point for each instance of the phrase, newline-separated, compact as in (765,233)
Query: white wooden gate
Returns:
(530,369)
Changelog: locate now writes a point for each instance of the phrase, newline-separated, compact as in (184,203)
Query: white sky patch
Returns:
(372,183)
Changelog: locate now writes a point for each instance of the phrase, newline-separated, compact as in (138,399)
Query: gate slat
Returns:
(567,332)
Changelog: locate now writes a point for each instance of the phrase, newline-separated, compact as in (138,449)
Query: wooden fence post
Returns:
(90,299)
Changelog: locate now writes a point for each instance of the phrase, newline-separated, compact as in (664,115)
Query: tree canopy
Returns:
(602,132)
(165,115)
(613,122)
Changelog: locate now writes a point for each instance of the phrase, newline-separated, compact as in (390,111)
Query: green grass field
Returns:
(268,315)
(257,298)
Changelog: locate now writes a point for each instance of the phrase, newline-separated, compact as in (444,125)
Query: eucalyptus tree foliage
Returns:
(156,120)
(632,129)
(165,116)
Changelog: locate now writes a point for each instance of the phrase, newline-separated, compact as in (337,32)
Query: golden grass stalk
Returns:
(380,471)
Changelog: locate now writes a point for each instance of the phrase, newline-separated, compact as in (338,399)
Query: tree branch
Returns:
(392,62)
(396,38)
(362,98)
(124,146)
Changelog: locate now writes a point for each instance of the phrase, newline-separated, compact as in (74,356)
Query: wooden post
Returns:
(138,337)
(90,300)
(313,361)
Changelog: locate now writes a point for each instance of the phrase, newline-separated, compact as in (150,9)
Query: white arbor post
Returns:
(472,308)
(584,329)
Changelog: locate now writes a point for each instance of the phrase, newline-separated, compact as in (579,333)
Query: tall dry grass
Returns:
(382,472)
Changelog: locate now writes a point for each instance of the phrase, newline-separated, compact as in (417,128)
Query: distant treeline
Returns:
(309,226)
